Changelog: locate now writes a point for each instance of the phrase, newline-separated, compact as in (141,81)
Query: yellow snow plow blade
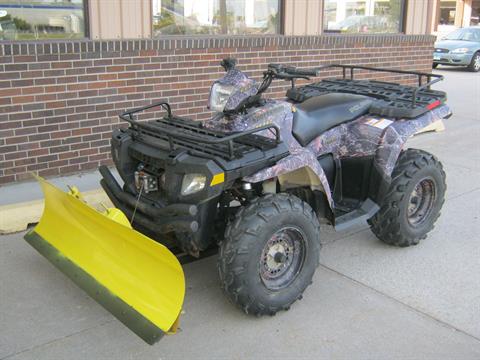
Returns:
(135,278)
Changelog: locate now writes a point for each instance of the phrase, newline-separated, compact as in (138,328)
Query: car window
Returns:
(477,35)
(464,34)
(471,36)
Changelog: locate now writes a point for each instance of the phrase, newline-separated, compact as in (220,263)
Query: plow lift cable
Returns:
(136,203)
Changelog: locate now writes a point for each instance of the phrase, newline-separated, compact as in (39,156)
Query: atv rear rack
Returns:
(180,133)
(393,100)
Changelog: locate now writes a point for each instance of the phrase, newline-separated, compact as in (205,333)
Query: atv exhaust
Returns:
(135,278)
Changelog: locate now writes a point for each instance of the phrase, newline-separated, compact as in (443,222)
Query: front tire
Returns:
(434,65)
(269,254)
(475,63)
(413,202)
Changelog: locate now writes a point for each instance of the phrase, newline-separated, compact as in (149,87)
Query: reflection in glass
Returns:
(363,16)
(177,17)
(447,12)
(41,19)
(475,17)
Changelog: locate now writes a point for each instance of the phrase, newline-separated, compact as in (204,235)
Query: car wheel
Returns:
(434,65)
(475,63)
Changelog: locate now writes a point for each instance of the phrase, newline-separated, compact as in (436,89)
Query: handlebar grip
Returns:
(304,72)
(292,71)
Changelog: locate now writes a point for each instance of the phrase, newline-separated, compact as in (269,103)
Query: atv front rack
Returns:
(392,100)
(174,133)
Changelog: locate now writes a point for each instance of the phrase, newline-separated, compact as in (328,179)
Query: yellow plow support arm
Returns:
(135,278)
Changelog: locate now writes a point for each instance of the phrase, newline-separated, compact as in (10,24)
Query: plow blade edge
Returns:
(135,278)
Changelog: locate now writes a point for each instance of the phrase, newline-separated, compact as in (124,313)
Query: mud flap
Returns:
(135,278)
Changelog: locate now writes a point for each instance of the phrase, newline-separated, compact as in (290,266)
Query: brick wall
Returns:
(59,101)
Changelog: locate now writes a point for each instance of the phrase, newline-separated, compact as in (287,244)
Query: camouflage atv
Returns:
(257,177)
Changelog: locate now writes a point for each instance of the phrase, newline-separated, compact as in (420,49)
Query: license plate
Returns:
(436,57)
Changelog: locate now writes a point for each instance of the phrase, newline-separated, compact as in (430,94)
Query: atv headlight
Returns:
(219,96)
(192,183)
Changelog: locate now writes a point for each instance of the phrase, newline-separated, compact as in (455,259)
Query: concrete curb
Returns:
(16,217)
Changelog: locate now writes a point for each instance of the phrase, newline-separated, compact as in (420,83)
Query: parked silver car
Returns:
(459,48)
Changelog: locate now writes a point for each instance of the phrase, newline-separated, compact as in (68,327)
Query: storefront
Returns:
(113,19)
(453,14)
(68,67)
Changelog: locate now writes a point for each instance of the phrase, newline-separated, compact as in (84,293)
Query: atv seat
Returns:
(321,113)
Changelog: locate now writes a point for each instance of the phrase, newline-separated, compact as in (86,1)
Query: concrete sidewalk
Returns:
(30,190)
(368,300)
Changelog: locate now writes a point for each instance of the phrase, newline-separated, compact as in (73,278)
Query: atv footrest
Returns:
(356,217)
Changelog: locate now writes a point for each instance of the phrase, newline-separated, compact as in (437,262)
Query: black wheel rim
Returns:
(282,258)
(421,202)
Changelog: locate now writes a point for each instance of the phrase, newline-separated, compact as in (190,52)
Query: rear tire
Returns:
(475,63)
(413,202)
(269,254)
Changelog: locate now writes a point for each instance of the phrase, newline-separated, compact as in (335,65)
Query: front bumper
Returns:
(452,59)
(173,217)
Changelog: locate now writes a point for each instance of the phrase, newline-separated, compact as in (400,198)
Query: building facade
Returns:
(69,67)
(452,14)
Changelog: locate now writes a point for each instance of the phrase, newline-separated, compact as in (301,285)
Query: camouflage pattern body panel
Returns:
(278,113)
(366,136)
(396,135)
(372,135)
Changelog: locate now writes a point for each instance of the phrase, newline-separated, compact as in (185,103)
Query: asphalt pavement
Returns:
(368,299)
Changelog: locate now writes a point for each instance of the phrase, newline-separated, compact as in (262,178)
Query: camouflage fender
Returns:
(371,135)
(279,113)
(303,159)
(395,136)
(366,136)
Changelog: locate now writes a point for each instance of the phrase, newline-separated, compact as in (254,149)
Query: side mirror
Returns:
(228,63)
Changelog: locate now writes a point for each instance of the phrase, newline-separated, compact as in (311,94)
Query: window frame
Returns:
(86,19)
(401,28)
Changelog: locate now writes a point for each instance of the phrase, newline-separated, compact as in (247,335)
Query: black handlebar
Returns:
(290,72)
(305,72)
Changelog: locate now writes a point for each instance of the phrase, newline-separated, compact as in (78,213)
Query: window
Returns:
(467,34)
(41,19)
(447,12)
(178,17)
(475,18)
(363,16)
